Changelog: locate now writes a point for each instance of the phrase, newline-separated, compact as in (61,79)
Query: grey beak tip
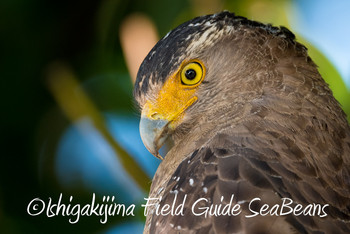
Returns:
(152,134)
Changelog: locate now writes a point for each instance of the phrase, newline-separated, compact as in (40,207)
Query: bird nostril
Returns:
(155,116)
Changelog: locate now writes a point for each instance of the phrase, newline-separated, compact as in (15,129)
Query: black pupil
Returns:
(190,74)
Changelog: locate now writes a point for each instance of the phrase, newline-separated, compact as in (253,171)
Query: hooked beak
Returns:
(154,133)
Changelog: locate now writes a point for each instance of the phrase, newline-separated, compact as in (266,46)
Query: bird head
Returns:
(195,68)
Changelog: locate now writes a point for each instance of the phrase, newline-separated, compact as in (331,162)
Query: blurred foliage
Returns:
(83,34)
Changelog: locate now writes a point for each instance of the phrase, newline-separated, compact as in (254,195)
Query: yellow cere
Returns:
(177,94)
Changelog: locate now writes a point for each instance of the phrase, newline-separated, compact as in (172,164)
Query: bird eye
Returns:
(192,73)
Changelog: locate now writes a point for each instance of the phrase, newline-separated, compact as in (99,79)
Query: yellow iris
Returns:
(192,73)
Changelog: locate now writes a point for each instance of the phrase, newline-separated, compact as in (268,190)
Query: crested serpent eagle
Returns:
(260,145)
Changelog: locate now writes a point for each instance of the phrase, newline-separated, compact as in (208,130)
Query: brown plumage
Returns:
(264,125)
